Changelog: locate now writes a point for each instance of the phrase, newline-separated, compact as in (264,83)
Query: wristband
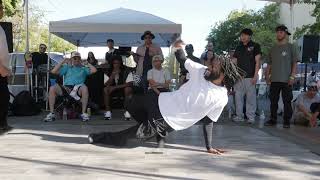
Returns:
(291,78)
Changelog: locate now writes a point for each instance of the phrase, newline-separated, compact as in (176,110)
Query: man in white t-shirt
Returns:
(158,78)
(4,73)
(203,95)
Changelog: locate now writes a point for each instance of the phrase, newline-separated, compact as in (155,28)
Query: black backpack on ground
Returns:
(24,105)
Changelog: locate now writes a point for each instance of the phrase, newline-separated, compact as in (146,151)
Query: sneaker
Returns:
(90,139)
(50,117)
(107,115)
(85,117)
(270,123)
(251,121)
(286,126)
(238,119)
(127,116)
(6,129)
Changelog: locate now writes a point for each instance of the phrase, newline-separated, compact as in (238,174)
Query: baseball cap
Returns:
(75,54)
(283,28)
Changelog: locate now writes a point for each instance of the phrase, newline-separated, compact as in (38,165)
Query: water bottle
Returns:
(89,111)
(230,114)
(262,118)
(64,114)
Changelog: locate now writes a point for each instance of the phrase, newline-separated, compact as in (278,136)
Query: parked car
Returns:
(19,78)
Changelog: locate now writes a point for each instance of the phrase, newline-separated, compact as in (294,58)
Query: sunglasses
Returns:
(43,47)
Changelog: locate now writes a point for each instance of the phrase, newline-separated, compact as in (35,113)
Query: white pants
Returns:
(245,87)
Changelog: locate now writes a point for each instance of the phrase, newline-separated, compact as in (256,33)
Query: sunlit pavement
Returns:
(59,150)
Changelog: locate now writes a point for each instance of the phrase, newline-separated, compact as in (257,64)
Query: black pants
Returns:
(4,102)
(145,110)
(286,90)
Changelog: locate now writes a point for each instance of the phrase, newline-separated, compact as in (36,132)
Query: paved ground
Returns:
(59,150)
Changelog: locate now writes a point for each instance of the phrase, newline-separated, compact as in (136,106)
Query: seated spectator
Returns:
(92,59)
(118,82)
(302,114)
(158,78)
(95,84)
(75,75)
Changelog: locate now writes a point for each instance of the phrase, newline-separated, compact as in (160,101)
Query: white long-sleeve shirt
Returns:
(4,54)
(194,100)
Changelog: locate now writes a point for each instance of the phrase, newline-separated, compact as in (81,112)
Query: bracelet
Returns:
(291,78)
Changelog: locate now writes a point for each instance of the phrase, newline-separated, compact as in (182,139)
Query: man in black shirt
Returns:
(183,72)
(112,51)
(247,55)
(41,57)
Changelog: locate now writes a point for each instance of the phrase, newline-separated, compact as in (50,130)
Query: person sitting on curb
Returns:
(305,103)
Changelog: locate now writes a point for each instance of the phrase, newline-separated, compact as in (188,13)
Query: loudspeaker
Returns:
(309,48)
(7,27)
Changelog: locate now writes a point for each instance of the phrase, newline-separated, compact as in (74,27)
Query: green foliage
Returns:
(10,7)
(38,31)
(225,34)
(313,29)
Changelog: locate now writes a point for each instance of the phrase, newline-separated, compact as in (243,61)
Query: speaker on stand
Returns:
(7,27)
(309,52)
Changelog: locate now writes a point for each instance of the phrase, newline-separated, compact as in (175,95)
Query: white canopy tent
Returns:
(124,26)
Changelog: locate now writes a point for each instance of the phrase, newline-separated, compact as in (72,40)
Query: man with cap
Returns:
(280,74)
(4,73)
(247,56)
(144,54)
(75,75)
(304,105)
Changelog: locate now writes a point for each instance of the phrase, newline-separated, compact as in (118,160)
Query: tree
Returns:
(10,7)
(38,31)
(313,29)
(225,34)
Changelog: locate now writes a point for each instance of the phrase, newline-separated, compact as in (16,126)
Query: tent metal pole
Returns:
(48,70)
(291,19)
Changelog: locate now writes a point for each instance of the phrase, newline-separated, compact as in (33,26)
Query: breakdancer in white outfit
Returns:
(203,95)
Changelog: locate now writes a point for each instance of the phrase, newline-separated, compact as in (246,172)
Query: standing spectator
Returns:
(4,73)
(111,52)
(118,82)
(247,56)
(41,57)
(92,59)
(302,114)
(143,56)
(208,54)
(158,77)
(183,72)
(281,70)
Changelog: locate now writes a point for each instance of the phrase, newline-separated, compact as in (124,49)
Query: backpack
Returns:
(24,105)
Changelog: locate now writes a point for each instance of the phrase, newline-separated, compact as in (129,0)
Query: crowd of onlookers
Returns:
(150,77)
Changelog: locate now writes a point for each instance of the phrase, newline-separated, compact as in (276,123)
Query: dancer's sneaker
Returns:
(50,117)
(127,116)
(85,117)
(238,119)
(90,138)
(107,115)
